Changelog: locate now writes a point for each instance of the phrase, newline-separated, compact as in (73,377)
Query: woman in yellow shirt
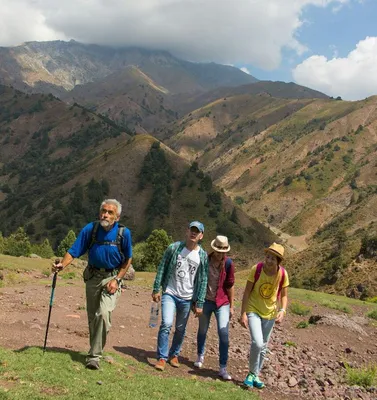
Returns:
(266,283)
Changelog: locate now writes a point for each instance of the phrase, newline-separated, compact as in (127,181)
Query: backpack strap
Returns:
(228,264)
(257,273)
(121,229)
(281,281)
(118,241)
(93,235)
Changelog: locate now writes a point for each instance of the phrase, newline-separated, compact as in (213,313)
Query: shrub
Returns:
(364,376)
(369,246)
(299,309)
(138,253)
(18,244)
(239,200)
(302,325)
(372,314)
(372,300)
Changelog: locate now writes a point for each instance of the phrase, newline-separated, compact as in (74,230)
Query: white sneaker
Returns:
(224,374)
(199,362)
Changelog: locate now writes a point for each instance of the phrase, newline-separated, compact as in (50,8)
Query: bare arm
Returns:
(284,304)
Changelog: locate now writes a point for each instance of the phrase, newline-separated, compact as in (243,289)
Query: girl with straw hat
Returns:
(219,301)
(267,282)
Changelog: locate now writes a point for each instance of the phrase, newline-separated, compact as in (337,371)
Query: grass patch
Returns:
(364,376)
(319,297)
(290,344)
(299,309)
(372,300)
(372,314)
(28,374)
(24,263)
(68,275)
(302,325)
(336,306)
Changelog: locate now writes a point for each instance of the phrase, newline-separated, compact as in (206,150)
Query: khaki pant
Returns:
(99,305)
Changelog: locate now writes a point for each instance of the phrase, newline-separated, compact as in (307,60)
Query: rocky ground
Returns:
(302,363)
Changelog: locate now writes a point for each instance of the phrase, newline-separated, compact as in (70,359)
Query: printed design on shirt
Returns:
(185,268)
(267,290)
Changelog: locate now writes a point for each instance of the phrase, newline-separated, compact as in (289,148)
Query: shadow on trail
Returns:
(147,357)
(75,355)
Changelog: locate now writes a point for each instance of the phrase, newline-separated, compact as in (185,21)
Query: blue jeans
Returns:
(172,305)
(260,331)
(222,318)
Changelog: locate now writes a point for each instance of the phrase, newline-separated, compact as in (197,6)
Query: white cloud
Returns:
(244,69)
(226,31)
(352,77)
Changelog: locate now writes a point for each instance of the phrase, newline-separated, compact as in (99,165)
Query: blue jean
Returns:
(172,305)
(260,332)
(222,318)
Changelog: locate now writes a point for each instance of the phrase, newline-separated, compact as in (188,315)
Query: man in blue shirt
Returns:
(107,265)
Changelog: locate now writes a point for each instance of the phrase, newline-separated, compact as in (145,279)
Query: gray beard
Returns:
(104,223)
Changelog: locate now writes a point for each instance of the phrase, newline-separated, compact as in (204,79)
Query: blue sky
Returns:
(327,33)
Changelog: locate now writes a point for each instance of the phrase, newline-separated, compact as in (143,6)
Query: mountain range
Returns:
(260,161)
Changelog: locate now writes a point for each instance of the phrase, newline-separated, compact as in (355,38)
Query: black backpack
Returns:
(117,242)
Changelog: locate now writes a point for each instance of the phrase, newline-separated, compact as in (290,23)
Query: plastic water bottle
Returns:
(153,319)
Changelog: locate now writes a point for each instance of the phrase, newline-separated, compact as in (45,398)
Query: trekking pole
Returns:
(51,302)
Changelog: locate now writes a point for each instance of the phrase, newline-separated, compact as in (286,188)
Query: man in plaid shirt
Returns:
(182,275)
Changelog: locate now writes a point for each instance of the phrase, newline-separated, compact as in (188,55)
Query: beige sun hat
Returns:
(220,244)
(276,250)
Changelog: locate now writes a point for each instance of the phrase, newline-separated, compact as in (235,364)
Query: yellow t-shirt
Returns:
(263,297)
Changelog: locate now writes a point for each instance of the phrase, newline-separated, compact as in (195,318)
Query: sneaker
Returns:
(174,362)
(223,373)
(199,362)
(160,365)
(249,380)
(92,364)
(258,383)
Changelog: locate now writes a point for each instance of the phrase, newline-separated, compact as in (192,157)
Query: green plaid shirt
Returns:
(169,262)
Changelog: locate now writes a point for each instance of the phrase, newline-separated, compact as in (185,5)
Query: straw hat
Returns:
(220,244)
(276,250)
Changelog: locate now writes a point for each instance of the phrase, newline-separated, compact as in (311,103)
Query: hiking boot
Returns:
(92,364)
(160,365)
(249,380)
(223,374)
(258,383)
(174,362)
(199,362)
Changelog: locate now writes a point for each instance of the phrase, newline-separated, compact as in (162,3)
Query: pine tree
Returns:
(66,244)
(43,250)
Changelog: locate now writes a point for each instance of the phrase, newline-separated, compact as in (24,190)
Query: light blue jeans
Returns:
(222,318)
(260,332)
(171,305)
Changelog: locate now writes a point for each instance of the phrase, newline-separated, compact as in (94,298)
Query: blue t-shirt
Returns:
(102,255)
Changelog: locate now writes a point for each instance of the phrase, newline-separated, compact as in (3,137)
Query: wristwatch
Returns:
(119,280)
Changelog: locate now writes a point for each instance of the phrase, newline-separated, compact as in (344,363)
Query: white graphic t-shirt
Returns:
(181,283)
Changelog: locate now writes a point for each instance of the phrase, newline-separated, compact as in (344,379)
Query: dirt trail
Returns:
(303,362)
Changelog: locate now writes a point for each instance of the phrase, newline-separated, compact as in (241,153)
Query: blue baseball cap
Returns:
(198,225)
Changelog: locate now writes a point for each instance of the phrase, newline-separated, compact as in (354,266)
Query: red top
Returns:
(226,281)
